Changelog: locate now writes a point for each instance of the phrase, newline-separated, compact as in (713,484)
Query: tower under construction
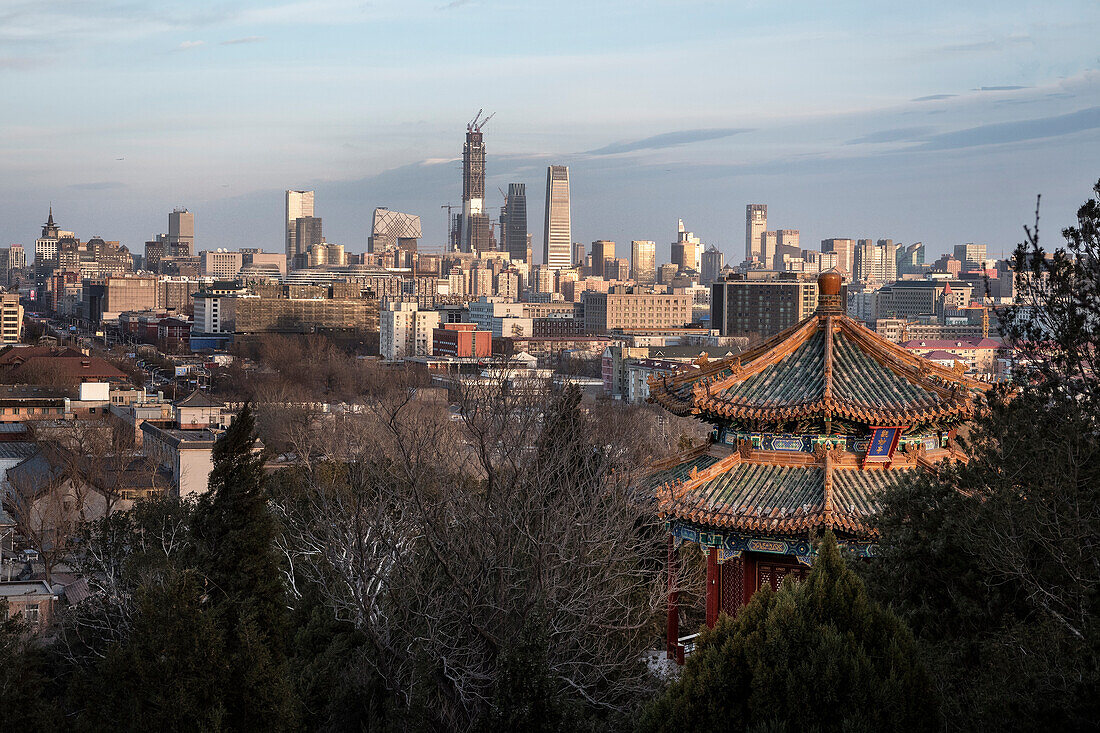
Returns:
(474,224)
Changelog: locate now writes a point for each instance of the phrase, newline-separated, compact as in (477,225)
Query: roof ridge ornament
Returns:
(830,286)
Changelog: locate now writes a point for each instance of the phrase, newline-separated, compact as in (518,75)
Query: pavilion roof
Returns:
(766,491)
(829,365)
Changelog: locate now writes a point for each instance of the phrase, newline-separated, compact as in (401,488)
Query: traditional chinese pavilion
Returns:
(809,427)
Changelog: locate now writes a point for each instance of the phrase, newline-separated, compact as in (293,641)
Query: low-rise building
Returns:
(461,340)
(622,309)
(187,454)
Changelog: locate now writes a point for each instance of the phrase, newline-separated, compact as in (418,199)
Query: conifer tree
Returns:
(817,655)
(234,530)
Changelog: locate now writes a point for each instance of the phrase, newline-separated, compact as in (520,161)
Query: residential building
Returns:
(978,354)
(557,232)
(11,319)
(404,330)
(627,308)
(187,453)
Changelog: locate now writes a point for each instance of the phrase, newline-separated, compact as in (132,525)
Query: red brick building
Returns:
(461,340)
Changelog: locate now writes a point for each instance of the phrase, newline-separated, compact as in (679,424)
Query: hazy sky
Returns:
(934,121)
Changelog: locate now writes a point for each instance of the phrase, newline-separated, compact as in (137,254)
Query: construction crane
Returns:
(476,126)
(452,243)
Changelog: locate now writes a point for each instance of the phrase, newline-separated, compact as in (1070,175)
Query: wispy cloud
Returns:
(1004,88)
(1017,131)
(454,4)
(897,134)
(20,63)
(97,186)
(188,45)
(934,97)
(668,140)
(246,39)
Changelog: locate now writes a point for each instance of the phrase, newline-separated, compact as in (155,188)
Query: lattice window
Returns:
(773,574)
(733,586)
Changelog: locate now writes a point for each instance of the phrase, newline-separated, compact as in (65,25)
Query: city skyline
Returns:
(839,144)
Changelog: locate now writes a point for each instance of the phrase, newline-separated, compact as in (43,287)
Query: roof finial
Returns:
(829,286)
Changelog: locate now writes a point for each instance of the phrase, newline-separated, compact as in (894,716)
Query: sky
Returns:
(935,121)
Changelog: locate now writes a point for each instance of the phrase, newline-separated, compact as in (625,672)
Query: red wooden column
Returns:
(714,588)
(672,637)
(750,577)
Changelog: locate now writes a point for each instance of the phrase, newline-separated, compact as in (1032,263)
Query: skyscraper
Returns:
(643,261)
(845,251)
(474,225)
(602,251)
(298,204)
(181,232)
(514,224)
(713,259)
(557,236)
(579,253)
(687,249)
(307,232)
(756,223)
(391,230)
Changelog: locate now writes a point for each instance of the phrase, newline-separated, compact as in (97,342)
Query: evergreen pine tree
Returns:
(234,530)
(171,674)
(817,655)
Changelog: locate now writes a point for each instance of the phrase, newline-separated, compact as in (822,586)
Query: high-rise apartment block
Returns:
(643,262)
(11,318)
(12,258)
(557,237)
(756,223)
(298,204)
(514,222)
(405,330)
(602,251)
(875,262)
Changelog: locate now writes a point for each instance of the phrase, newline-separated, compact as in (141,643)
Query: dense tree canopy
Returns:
(817,655)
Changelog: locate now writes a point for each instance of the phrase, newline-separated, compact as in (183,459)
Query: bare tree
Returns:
(464,542)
